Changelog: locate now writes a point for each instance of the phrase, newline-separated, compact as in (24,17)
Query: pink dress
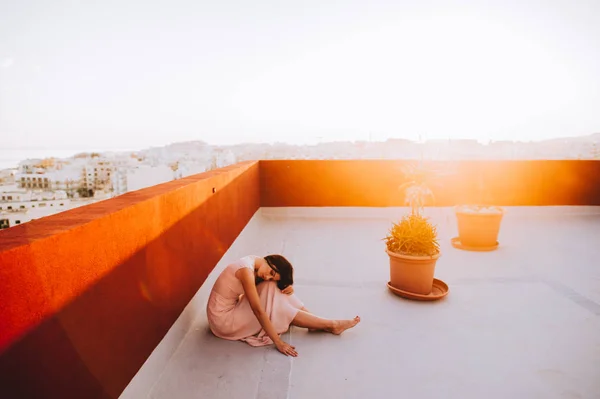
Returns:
(230,315)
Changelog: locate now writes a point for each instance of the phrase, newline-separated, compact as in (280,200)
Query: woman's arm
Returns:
(247,278)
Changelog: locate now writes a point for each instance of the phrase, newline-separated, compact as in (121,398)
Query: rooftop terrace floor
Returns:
(519,322)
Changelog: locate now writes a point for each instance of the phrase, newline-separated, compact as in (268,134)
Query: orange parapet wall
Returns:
(375,183)
(87,294)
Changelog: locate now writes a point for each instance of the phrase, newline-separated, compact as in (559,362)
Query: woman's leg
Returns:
(310,329)
(312,322)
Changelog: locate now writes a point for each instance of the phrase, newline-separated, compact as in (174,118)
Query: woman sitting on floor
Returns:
(253,301)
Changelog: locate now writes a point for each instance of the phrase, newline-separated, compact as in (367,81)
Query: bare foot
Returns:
(339,326)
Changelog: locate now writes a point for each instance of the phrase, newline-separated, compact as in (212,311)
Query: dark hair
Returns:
(285,269)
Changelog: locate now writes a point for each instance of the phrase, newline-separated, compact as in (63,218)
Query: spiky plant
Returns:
(414,236)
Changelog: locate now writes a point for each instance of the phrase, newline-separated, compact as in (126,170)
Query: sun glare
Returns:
(445,77)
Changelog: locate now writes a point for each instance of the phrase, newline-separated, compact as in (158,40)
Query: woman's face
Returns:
(266,273)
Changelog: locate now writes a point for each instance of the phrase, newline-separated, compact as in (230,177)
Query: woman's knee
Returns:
(266,285)
(296,301)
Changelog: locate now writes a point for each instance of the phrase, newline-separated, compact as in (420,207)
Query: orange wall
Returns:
(374,183)
(86,295)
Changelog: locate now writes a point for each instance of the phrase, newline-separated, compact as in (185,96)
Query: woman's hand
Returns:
(289,290)
(286,348)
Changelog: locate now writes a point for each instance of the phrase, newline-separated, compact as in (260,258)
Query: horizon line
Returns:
(331,141)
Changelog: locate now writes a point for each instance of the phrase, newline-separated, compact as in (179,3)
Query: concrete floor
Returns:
(520,322)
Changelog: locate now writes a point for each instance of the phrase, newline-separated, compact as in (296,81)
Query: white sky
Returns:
(128,74)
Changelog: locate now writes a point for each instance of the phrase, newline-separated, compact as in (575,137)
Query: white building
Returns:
(189,168)
(29,166)
(126,167)
(68,179)
(21,199)
(18,207)
(7,176)
(119,181)
(224,158)
(49,174)
(145,176)
(97,174)
(34,181)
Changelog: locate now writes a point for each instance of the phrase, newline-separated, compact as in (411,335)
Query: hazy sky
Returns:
(116,74)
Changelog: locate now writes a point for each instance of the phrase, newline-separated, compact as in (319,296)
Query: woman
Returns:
(253,301)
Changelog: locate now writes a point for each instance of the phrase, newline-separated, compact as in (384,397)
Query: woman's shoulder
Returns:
(247,261)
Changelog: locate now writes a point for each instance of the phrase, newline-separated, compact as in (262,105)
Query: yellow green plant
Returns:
(414,235)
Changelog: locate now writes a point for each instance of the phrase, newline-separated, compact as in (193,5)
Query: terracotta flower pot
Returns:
(412,273)
(478,226)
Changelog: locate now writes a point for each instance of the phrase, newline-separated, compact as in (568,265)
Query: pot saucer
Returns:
(438,291)
(457,244)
